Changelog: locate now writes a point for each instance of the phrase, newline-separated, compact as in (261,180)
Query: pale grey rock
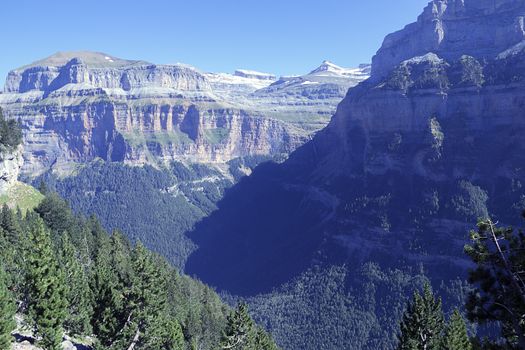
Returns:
(125,77)
(75,107)
(452,28)
(250,74)
(11,162)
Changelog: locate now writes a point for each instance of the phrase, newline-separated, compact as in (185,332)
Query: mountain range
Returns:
(324,224)
(409,162)
(78,106)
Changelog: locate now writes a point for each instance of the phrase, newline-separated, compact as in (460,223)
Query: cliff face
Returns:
(452,28)
(10,164)
(78,106)
(411,159)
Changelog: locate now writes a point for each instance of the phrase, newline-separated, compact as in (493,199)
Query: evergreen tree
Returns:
(58,216)
(167,334)
(109,316)
(499,294)
(264,341)
(10,132)
(78,292)
(7,313)
(240,330)
(148,326)
(423,322)
(455,336)
(10,225)
(121,259)
(47,300)
(13,243)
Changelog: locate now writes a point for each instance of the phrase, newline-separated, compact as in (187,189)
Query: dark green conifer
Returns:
(109,315)
(58,216)
(455,336)
(13,245)
(498,280)
(78,292)
(240,330)
(7,312)
(264,341)
(149,326)
(47,298)
(423,322)
(10,225)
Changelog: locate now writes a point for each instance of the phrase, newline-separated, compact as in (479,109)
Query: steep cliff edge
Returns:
(78,106)
(411,159)
(453,28)
(14,193)
(10,163)
(409,162)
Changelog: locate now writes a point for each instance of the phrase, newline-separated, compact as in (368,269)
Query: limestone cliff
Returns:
(411,159)
(78,106)
(10,163)
(453,28)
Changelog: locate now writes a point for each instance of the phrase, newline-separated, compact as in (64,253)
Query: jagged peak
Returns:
(327,66)
(332,69)
(452,28)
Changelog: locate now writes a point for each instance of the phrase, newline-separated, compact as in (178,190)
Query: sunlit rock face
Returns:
(10,163)
(452,28)
(409,162)
(77,106)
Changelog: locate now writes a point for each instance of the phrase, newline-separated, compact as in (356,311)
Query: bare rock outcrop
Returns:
(11,162)
(78,106)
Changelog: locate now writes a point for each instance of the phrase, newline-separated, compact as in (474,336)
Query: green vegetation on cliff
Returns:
(10,133)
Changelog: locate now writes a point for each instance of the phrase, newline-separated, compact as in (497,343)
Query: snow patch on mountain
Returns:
(328,68)
(245,73)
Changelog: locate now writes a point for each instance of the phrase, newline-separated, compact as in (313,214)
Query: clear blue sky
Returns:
(278,36)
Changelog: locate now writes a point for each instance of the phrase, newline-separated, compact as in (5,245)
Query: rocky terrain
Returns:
(78,106)
(409,162)
(10,164)
(340,230)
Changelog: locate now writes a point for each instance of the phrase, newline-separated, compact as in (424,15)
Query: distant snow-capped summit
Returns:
(245,73)
(331,69)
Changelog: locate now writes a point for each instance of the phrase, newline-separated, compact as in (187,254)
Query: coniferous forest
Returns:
(259,200)
(64,277)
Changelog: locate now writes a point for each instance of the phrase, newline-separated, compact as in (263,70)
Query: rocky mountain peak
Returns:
(245,73)
(327,66)
(91,59)
(100,70)
(452,28)
(10,165)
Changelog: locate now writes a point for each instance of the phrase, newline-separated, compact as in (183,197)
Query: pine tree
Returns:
(121,259)
(109,314)
(423,322)
(264,341)
(167,334)
(10,132)
(455,336)
(7,313)
(78,292)
(13,244)
(58,216)
(499,280)
(47,301)
(148,326)
(10,225)
(240,330)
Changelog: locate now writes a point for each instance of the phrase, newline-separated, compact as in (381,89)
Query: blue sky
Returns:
(278,36)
